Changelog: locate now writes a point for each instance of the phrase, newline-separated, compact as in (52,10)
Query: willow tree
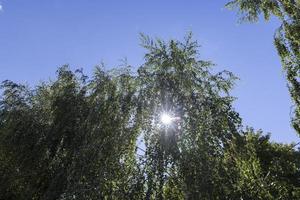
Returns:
(76,137)
(183,155)
(71,138)
(286,39)
(260,169)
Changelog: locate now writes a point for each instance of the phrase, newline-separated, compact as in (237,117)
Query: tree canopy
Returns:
(286,38)
(77,137)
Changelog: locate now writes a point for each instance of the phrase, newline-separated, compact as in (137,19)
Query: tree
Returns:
(76,137)
(69,138)
(260,169)
(286,39)
(175,81)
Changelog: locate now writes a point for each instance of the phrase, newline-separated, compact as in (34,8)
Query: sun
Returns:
(166,119)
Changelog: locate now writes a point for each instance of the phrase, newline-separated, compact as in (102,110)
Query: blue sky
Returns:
(37,36)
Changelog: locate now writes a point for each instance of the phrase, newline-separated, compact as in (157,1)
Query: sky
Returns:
(38,36)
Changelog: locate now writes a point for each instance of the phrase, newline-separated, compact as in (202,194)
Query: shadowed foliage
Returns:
(77,137)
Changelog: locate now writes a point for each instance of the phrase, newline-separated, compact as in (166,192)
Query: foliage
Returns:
(67,138)
(76,137)
(286,39)
(263,169)
(175,81)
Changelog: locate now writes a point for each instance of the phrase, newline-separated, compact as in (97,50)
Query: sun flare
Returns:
(166,119)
